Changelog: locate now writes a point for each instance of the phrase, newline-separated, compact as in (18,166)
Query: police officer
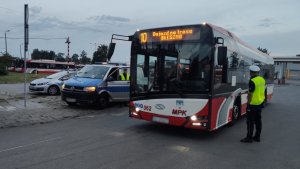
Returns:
(124,75)
(256,98)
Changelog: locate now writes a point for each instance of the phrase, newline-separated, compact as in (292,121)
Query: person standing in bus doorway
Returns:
(124,75)
(256,98)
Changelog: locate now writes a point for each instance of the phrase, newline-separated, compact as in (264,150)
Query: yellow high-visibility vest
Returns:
(123,77)
(258,96)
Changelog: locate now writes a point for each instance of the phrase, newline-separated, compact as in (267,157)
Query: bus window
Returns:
(141,78)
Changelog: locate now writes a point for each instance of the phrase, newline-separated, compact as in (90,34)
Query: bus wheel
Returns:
(266,98)
(235,113)
(53,90)
(103,101)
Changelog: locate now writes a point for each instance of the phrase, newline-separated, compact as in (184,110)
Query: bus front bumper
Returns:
(170,120)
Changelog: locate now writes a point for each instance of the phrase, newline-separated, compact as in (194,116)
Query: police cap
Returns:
(254,68)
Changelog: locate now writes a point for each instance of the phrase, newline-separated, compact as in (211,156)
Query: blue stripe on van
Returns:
(118,88)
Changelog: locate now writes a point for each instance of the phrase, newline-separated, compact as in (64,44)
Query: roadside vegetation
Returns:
(14,77)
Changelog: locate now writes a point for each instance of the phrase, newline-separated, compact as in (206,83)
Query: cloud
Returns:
(104,23)
(34,11)
(109,19)
(267,22)
(46,23)
(235,29)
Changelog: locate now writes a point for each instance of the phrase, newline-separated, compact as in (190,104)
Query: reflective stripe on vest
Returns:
(123,77)
(258,96)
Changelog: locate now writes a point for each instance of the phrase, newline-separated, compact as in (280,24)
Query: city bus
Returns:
(40,66)
(194,76)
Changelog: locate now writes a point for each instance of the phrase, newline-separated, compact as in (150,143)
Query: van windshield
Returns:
(94,72)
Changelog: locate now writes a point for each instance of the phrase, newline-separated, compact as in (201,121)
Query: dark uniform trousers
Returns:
(254,117)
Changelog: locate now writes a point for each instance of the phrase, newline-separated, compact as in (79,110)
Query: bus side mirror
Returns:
(111,49)
(222,55)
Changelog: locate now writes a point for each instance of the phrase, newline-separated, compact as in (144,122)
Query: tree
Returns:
(84,59)
(75,58)
(5,61)
(60,57)
(100,54)
(43,54)
(264,50)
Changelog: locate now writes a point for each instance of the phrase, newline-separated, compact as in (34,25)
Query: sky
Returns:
(271,24)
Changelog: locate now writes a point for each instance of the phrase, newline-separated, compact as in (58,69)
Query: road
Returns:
(110,140)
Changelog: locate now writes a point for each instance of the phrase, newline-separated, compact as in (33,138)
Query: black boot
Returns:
(246,140)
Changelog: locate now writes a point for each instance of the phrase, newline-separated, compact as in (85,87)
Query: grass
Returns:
(14,77)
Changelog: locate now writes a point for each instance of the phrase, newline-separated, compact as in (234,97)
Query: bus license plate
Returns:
(160,120)
(70,100)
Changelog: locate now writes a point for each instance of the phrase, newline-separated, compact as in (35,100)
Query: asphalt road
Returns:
(109,139)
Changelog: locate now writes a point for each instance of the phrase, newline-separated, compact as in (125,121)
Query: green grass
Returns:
(14,77)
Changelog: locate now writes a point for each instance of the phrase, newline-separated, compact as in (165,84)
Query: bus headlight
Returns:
(89,89)
(193,118)
(137,109)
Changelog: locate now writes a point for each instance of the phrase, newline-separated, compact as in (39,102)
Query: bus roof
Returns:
(243,46)
(50,62)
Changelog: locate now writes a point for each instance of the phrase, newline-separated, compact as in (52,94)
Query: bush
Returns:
(3,69)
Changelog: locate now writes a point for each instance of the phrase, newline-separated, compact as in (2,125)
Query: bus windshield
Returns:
(94,72)
(174,68)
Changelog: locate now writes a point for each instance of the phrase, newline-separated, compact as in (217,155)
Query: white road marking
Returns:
(117,134)
(10,108)
(27,145)
(118,114)
(180,148)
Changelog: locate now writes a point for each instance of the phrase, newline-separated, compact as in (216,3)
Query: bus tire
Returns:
(103,101)
(34,72)
(266,98)
(53,90)
(235,113)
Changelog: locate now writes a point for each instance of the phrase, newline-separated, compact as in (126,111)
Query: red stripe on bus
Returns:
(216,104)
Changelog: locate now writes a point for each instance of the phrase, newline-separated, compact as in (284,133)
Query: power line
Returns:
(33,38)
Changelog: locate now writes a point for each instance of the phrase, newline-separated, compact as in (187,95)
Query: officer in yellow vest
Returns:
(124,75)
(256,98)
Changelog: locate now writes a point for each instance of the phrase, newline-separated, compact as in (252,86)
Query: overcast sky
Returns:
(271,24)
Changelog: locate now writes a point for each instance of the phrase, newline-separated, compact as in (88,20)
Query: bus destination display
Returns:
(169,35)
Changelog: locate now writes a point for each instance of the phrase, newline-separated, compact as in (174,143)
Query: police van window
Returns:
(124,74)
(113,75)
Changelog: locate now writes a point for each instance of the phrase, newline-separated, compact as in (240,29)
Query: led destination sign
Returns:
(169,35)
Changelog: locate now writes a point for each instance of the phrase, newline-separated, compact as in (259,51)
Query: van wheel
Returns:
(103,101)
(71,103)
(53,90)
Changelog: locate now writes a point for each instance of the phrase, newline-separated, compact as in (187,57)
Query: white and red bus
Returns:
(194,76)
(41,66)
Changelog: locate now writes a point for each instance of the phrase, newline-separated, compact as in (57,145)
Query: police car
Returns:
(98,85)
(51,84)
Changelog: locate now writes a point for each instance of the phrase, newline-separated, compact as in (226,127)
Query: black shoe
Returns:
(246,140)
(257,139)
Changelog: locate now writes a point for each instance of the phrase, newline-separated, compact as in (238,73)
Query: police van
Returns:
(98,85)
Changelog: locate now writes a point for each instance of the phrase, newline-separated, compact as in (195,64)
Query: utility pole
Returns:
(26,42)
(68,42)
(5,42)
